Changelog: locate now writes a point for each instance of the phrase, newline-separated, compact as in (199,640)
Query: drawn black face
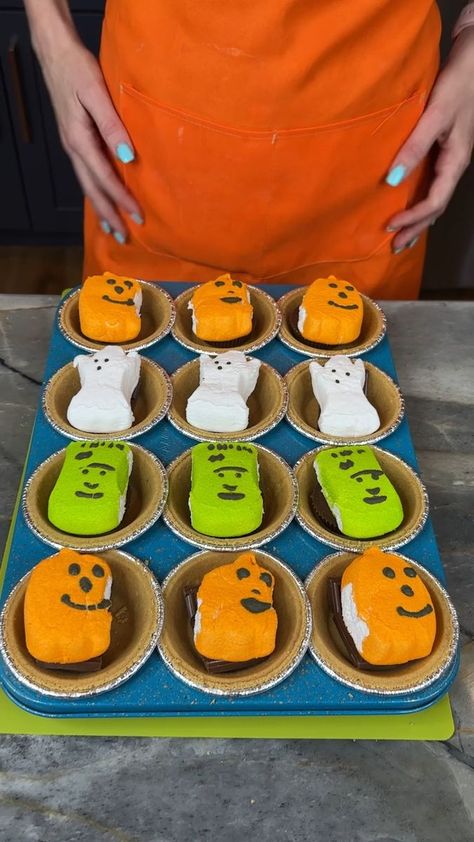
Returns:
(119,290)
(408,590)
(342,292)
(231,290)
(89,579)
(252,603)
(230,478)
(96,473)
(374,494)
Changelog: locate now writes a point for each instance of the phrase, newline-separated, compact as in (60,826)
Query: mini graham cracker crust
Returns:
(146,497)
(176,645)
(137,619)
(279,509)
(265,324)
(330,651)
(372,331)
(157,318)
(267,404)
(303,408)
(149,405)
(323,525)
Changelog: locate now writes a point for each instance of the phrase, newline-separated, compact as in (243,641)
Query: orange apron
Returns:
(263,132)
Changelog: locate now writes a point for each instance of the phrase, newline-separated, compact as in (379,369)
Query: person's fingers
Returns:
(427,131)
(450,165)
(97,102)
(106,177)
(110,219)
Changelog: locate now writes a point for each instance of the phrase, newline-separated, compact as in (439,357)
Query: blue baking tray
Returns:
(154,691)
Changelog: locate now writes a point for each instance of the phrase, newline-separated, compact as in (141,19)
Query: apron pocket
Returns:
(265,202)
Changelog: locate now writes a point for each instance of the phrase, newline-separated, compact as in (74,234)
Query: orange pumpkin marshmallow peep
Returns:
(331,312)
(387,609)
(235,619)
(221,310)
(109,308)
(66,612)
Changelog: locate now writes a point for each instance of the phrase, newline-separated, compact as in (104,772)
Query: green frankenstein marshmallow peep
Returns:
(89,495)
(358,492)
(225,499)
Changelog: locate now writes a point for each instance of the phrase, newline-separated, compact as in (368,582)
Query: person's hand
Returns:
(88,125)
(448,122)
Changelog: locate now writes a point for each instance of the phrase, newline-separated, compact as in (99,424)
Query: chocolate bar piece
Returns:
(213,665)
(93,665)
(335,608)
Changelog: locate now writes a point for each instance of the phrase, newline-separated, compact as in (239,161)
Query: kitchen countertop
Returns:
(160,790)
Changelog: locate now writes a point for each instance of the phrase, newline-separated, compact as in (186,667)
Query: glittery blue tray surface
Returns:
(153,690)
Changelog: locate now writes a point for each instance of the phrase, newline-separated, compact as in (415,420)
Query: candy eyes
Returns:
(334,286)
(111,282)
(128,284)
(220,284)
(408,571)
(389,572)
(237,284)
(98,571)
(350,289)
(265,577)
(74,569)
(85,471)
(243,573)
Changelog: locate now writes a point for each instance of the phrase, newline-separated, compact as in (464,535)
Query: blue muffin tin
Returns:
(154,691)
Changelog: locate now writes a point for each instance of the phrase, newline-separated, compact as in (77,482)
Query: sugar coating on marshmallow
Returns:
(108,379)
(338,388)
(355,625)
(226,381)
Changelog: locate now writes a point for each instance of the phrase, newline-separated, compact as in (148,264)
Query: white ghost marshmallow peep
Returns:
(225,382)
(338,388)
(108,379)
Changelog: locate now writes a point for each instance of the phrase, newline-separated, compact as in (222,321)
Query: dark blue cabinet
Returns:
(40,198)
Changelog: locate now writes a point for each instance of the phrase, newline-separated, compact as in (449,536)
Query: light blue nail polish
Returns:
(119,237)
(124,153)
(105,226)
(396,175)
(138,218)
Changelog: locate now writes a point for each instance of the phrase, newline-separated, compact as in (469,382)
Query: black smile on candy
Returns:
(129,302)
(96,495)
(344,306)
(423,612)
(230,495)
(255,606)
(231,299)
(79,606)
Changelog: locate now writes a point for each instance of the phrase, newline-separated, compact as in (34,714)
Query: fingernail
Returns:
(137,218)
(391,229)
(412,242)
(398,249)
(105,226)
(119,237)
(124,153)
(396,175)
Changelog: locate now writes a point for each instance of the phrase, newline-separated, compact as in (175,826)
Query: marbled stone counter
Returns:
(161,790)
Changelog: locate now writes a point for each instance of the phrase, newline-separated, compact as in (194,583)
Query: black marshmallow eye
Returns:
(350,289)
(406,590)
(112,282)
(333,286)
(389,572)
(220,284)
(243,573)
(98,571)
(408,571)
(74,569)
(237,284)
(85,471)
(265,577)
(128,284)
